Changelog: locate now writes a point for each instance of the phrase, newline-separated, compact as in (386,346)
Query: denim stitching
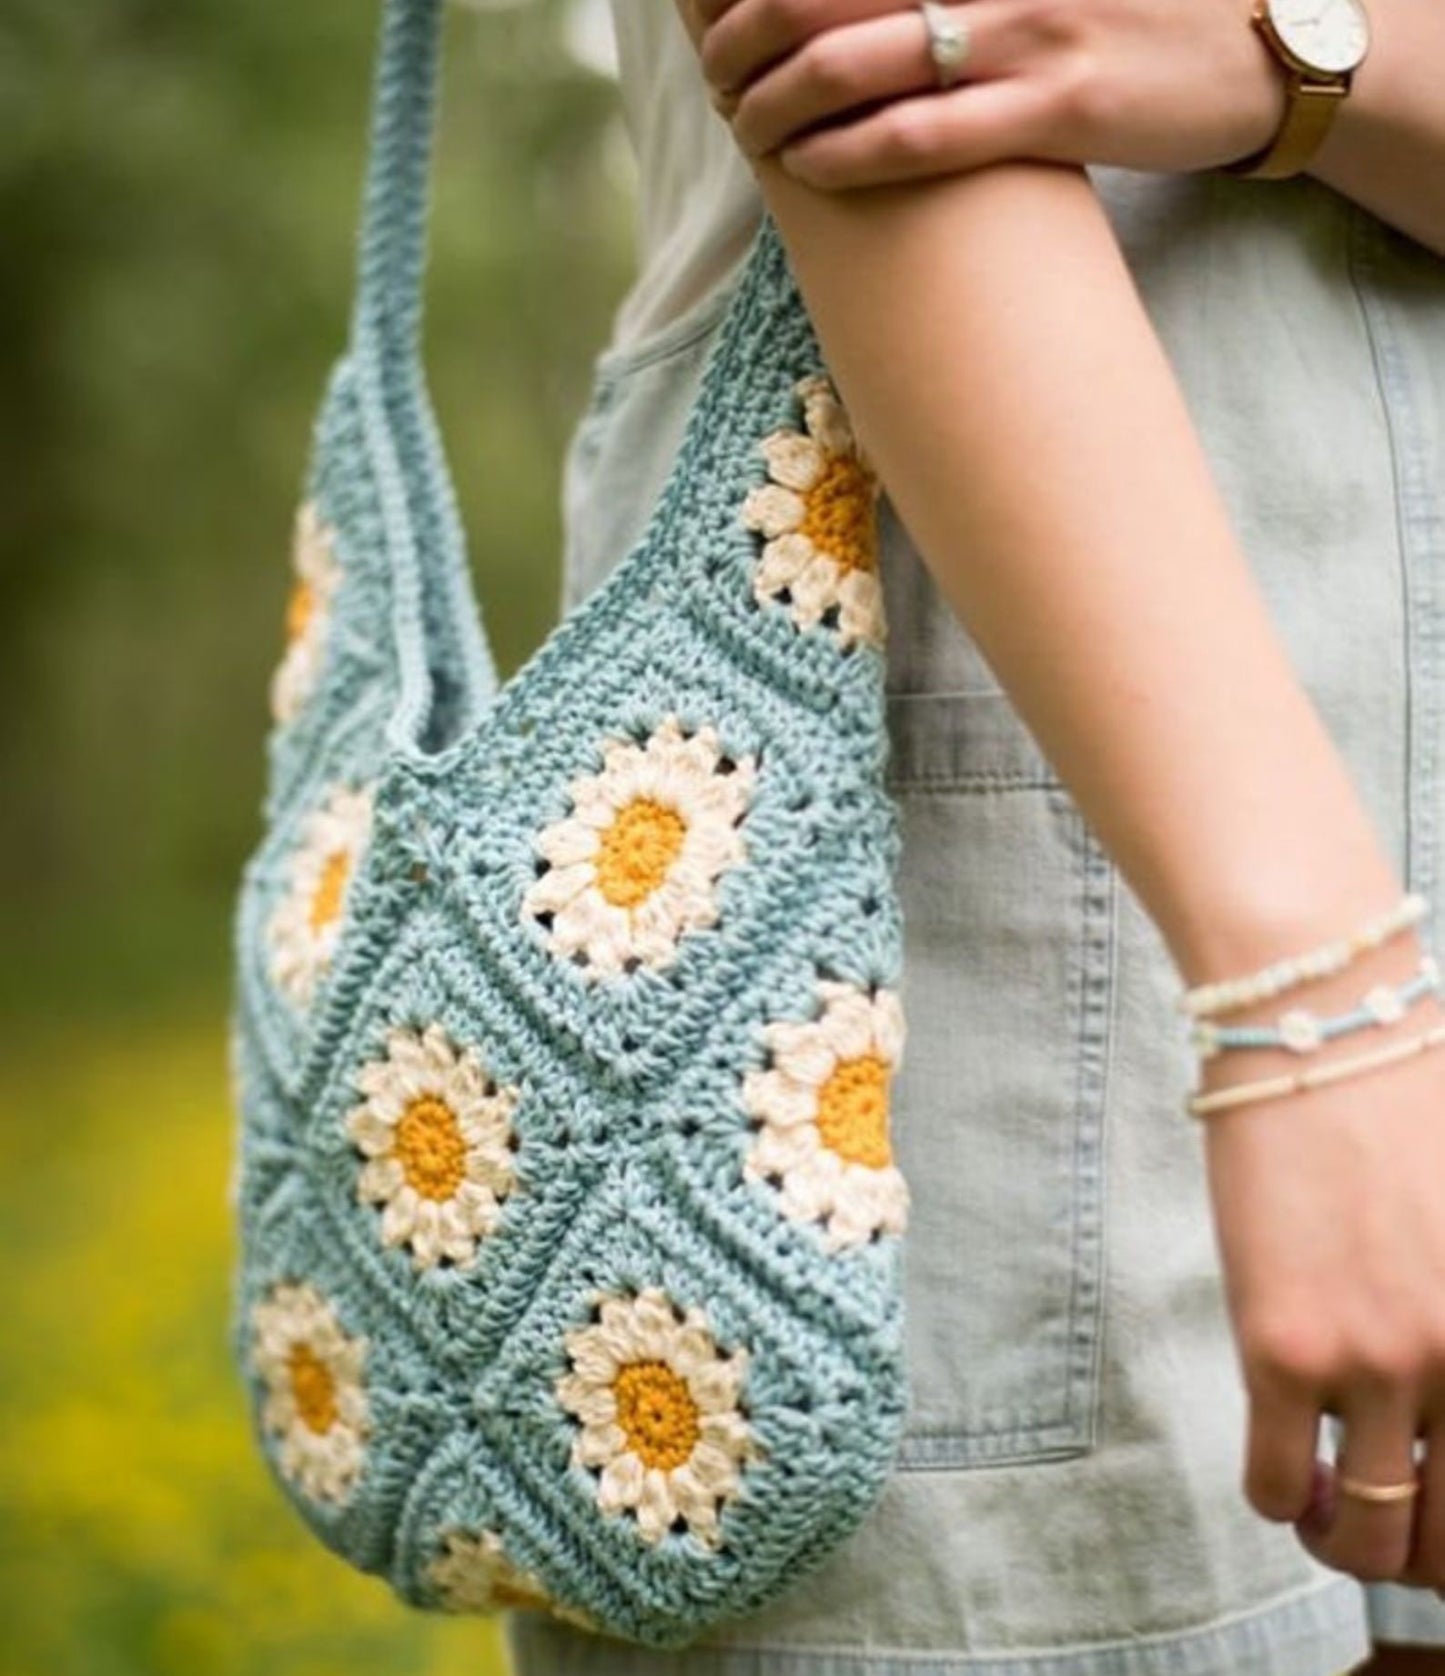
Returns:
(1421,628)
(1070,1431)
(1091,1063)
(1226,1646)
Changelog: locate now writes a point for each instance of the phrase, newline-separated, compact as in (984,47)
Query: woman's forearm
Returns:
(987,338)
(1386,147)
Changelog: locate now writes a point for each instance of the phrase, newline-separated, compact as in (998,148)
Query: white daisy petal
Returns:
(589,921)
(714,1463)
(373,1130)
(304,927)
(773,510)
(593,1356)
(777,1151)
(782,1101)
(726,1433)
(847,1024)
(783,561)
(309,610)
(594,1405)
(860,597)
(824,414)
(597,1443)
(821,1142)
(678,1440)
(797,462)
(656,1507)
(621,1482)
(888,1027)
(380,1179)
(471,1571)
(801,1051)
(438,1147)
(315,1404)
(814,589)
(558,887)
(652,865)
(817,517)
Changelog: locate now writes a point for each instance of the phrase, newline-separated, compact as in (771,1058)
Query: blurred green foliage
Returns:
(178,188)
(141,1533)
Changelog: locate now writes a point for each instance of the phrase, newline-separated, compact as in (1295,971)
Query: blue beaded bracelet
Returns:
(1301,1031)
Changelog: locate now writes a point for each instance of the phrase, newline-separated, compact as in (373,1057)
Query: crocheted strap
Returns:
(394,221)
(392,257)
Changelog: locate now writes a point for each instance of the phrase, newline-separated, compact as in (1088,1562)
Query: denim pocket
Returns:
(1008,901)
(626,438)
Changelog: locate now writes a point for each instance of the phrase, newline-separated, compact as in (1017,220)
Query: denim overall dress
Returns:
(1067,1500)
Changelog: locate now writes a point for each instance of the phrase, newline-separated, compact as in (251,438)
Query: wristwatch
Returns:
(1320,43)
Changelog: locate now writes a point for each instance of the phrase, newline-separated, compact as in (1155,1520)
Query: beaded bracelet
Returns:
(1318,962)
(1271,1087)
(1302,1031)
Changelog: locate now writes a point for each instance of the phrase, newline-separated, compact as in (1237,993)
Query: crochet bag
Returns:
(565,1009)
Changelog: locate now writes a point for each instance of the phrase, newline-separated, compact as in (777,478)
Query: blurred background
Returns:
(178,191)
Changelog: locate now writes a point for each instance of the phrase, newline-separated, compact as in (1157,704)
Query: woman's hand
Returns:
(849,88)
(1329,1207)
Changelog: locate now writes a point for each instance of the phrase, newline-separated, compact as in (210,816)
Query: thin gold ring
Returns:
(1376,1492)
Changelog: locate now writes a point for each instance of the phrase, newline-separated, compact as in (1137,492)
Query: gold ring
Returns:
(1376,1492)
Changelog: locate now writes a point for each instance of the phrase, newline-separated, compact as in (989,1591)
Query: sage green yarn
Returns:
(570,1238)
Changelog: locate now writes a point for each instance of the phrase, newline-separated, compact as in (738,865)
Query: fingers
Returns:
(1371,1540)
(744,37)
(1280,1476)
(1401,1541)
(880,59)
(1427,1554)
(833,73)
(935,133)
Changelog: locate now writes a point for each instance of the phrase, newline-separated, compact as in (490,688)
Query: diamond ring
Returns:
(947,40)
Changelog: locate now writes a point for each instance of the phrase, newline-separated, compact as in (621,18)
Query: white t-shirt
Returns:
(698,200)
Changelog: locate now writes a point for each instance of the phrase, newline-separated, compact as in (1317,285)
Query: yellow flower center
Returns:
(657,1412)
(299,608)
(853,1111)
(326,903)
(313,1389)
(430,1148)
(840,519)
(642,842)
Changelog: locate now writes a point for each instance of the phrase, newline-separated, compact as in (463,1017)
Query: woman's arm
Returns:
(848,88)
(988,340)
(998,366)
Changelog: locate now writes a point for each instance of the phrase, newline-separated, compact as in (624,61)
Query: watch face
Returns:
(1325,35)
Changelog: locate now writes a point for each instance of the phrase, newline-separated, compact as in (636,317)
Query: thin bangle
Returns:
(1270,1087)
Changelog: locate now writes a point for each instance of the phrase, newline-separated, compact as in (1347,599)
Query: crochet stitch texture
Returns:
(565,1009)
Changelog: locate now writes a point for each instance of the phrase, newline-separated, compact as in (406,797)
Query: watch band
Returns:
(1312,99)
(1311,110)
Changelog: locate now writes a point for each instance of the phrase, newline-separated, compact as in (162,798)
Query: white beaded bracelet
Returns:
(1268,1087)
(1313,963)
